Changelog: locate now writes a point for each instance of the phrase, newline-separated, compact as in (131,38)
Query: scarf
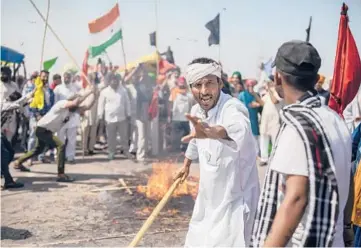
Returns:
(197,71)
(39,96)
(323,195)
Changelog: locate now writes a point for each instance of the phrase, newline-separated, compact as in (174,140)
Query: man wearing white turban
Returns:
(221,138)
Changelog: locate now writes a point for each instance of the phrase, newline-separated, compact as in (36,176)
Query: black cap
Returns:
(297,58)
(6,70)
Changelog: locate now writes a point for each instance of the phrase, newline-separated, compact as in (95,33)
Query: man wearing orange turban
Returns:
(323,94)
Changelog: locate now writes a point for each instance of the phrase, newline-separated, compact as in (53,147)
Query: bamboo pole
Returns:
(122,182)
(116,189)
(122,43)
(66,50)
(44,37)
(154,214)
(60,41)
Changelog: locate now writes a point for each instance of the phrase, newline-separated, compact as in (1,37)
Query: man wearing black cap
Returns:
(8,87)
(307,182)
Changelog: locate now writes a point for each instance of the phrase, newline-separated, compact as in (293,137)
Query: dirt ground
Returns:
(48,213)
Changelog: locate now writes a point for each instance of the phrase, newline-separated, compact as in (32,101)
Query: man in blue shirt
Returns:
(35,114)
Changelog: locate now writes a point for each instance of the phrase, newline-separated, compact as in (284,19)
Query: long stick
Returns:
(122,182)
(154,214)
(61,43)
(122,43)
(156,36)
(124,57)
(45,28)
(115,189)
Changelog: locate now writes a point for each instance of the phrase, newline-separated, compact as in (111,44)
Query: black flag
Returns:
(213,26)
(153,39)
(308,30)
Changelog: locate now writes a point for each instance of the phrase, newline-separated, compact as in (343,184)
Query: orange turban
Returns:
(321,80)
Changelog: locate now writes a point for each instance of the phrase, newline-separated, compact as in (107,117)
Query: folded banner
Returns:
(49,63)
(153,39)
(213,26)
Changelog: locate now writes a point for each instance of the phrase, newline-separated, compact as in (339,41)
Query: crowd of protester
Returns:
(119,116)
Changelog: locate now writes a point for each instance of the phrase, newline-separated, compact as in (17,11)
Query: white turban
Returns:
(197,71)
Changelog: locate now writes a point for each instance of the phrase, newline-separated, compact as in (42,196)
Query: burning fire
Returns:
(162,178)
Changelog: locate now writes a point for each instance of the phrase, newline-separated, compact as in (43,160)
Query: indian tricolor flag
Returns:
(105,31)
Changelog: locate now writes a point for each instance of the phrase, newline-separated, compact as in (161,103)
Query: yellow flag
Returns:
(38,100)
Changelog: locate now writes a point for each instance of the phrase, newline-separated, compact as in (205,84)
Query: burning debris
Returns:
(161,179)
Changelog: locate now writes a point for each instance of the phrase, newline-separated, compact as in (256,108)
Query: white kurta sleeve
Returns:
(192,150)
(349,116)
(101,104)
(57,94)
(236,123)
(126,103)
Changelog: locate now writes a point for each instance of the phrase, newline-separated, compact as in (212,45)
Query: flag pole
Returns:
(155,121)
(44,36)
(121,40)
(156,35)
(219,45)
(308,30)
(124,56)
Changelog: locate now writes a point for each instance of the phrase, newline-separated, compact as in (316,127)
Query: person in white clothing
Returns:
(222,140)
(52,122)
(307,182)
(143,85)
(132,93)
(180,103)
(67,134)
(89,120)
(270,121)
(8,87)
(352,112)
(115,105)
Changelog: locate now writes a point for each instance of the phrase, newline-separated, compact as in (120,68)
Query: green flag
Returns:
(49,63)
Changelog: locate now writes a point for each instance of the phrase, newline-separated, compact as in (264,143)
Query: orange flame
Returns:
(162,178)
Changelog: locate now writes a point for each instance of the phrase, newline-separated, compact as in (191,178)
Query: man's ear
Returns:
(277,79)
(221,84)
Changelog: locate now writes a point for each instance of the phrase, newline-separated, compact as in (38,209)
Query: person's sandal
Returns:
(21,167)
(64,179)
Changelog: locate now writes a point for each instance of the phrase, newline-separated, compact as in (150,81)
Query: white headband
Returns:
(197,71)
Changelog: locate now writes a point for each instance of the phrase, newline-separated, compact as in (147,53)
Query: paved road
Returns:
(47,213)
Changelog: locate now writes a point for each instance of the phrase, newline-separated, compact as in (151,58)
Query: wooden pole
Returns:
(44,36)
(219,45)
(60,41)
(156,36)
(154,214)
(124,56)
(122,43)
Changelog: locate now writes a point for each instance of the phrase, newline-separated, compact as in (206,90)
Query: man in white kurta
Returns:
(114,104)
(67,134)
(222,140)
(89,121)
